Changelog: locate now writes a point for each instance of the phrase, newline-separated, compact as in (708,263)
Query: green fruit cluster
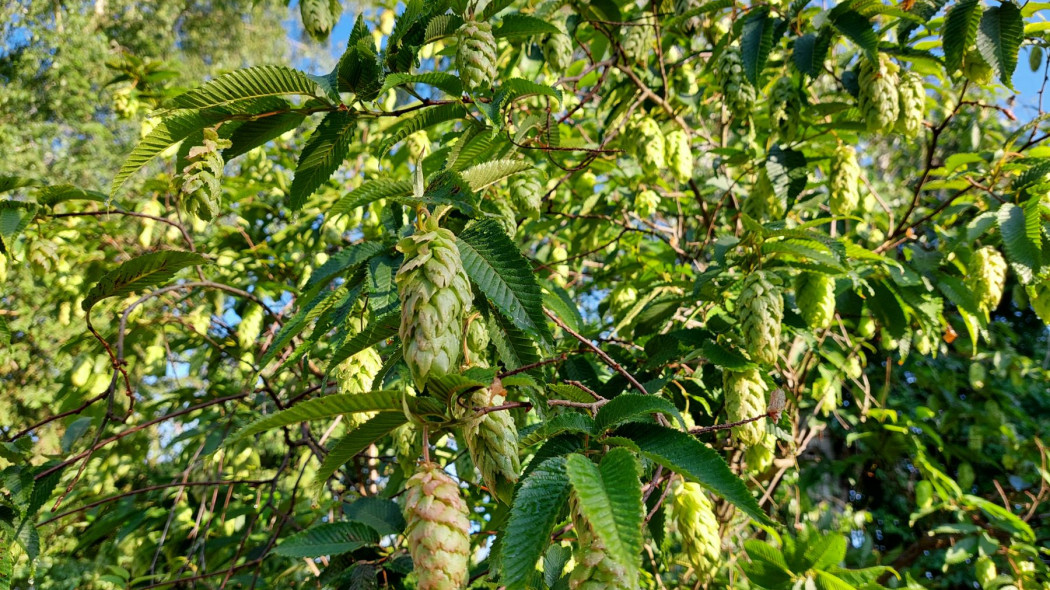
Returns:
(785,109)
(738,93)
(761,314)
(762,203)
(878,99)
(557,51)
(745,397)
(476,54)
(815,297)
(595,569)
(679,155)
(492,440)
(844,181)
(695,519)
(201,182)
(436,529)
(435,295)
(912,105)
(986,277)
(526,192)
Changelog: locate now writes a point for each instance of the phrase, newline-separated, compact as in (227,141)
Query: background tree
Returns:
(585,295)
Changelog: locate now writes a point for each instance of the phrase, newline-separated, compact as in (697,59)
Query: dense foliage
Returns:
(584,295)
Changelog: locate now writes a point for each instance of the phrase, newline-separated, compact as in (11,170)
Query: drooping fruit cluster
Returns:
(815,297)
(595,569)
(679,156)
(649,144)
(557,51)
(759,456)
(200,183)
(976,68)
(696,522)
(646,202)
(437,529)
(492,440)
(639,42)
(878,100)
(476,54)
(912,104)
(738,92)
(827,391)
(986,277)
(435,295)
(476,342)
(745,395)
(762,203)
(785,109)
(761,313)
(843,181)
(526,191)
(319,16)
(356,374)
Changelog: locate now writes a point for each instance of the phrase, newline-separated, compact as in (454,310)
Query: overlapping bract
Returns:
(437,529)
(843,181)
(745,395)
(595,569)
(815,297)
(694,517)
(761,314)
(492,440)
(878,98)
(435,294)
(476,54)
(986,277)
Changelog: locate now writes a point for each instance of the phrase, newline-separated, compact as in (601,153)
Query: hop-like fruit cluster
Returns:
(761,313)
(319,16)
(684,80)
(649,144)
(435,295)
(977,69)
(646,202)
(878,100)
(843,181)
(759,457)
(745,396)
(912,104)
(762,202)
(639,42)
(557,51)
(695,519)
(437,529)
(356,374)
(738,92)
(595,569)
(785,109)
(815,297)
(477,342)
(827,391)
(201,180)
(502,212)
(986,277)
(679,156)
(526,191)
(476,54)
(492,440)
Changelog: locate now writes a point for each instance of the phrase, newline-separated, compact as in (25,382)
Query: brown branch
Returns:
(608,360)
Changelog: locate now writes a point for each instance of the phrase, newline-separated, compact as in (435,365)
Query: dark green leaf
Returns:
(999,38)
(330,538)
(358,440)
(1023,247)
(756,41)
(148,270)
(960,32)
(322,156)
(537,503)
(627,407)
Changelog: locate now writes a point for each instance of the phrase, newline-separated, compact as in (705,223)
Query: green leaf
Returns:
(319,408)
(330,538)
(684,454)
(370,191)
(49,196)
(496,266)
(255,133)
(448,83)
(825,551)
(359,70)
(1023,247)
(322,156)
(960,32)
(377,331)
(537,503)
(379,513)
(167,133)
(14,217)
(515,347)
(489,173)
(999,38)
(521,25)
(148,270)
(569,422)
(511,91)
(291,328)
(859,29)
(417,121)
(450,188)
(382,289)
(628,406)
(766,567)
(756,41)
(725,357)
(826,581)
(358,440)
(344,260)
(10,183)
(440,27)
(787,170)
(5,331)
(247,84)
(610,499)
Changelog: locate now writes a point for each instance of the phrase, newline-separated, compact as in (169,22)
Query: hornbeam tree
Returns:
(548,294)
